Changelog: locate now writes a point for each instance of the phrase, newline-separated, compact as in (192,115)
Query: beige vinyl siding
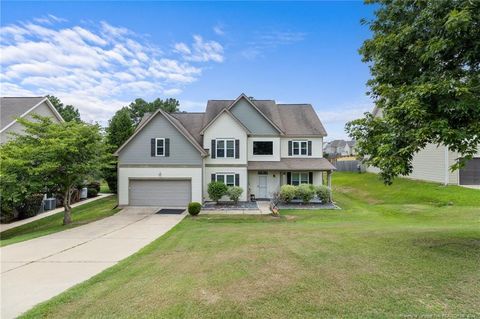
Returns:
(42,110)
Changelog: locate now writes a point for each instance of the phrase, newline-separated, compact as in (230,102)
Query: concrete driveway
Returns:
(36,270)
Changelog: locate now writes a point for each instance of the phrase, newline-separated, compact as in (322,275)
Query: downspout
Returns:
(446,180)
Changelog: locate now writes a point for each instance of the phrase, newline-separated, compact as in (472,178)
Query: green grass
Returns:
(410,249)
(81,215)
(104,187)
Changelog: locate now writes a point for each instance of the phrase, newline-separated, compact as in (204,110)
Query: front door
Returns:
(262,186)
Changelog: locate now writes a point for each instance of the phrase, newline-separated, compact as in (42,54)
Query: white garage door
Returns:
(162,193)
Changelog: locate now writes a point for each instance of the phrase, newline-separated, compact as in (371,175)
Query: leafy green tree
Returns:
(139,107)
(119,129)
(424,58)
(52,156)
(68,112)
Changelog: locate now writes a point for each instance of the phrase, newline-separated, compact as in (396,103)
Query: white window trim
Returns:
(299,148)
(253,148)
(156,146)
(225,177)
(299,179)
(224,147)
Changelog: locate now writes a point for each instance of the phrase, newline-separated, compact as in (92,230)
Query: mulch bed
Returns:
(230,206)
(296,204)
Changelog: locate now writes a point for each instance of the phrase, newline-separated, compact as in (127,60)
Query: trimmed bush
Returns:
(323,193)
(30,206)
(91,192)
(95,185)
(194,208)
(217,190)
(234,193)
(287,193)
(305,192)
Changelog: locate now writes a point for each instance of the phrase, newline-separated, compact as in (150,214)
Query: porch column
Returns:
(329,184)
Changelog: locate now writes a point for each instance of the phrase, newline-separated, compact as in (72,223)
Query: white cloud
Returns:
(218,29)
(200,50)
(96,67)
(268,41)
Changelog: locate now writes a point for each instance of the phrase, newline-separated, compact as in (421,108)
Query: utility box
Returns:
(49,203)
(84,193)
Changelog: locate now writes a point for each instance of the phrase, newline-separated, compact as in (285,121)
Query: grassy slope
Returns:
(81,215)
(390,252)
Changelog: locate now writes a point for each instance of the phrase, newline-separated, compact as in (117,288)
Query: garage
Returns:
(161,193)
(470,173)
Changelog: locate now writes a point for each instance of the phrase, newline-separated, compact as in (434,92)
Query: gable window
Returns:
(262,148)
(225,148)
(300,148)
(299,178)
(159,147)
(227,178)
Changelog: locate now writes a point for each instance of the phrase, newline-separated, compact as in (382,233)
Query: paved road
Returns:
(36,270)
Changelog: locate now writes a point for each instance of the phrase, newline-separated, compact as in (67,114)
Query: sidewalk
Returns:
(4,227)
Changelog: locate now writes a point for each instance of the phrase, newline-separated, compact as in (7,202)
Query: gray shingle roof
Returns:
(13,107)
(193,122)
(286,164)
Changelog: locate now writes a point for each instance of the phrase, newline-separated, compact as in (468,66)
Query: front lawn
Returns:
(408,250)
(81,215)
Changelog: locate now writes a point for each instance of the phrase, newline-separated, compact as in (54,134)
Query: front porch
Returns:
(266,178)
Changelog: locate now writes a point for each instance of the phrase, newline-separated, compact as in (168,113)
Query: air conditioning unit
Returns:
(84,193)
(50,203)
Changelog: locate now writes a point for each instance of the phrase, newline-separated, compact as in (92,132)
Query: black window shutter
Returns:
(309,148)
(237,149)
(289,178)
(310,177)
(289,148)
(237,179)
(167,147)
(213,177)
(213,150)
(152,147)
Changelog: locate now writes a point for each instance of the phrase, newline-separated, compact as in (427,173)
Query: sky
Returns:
(100,56)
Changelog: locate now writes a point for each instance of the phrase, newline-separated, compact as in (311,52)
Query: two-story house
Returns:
(258,145)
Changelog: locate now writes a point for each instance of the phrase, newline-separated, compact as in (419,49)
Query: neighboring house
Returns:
(23,107)
(258,145)
(340,148)
(433,164)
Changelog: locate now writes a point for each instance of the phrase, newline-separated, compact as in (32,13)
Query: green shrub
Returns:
(305,192)
(194,208)
(30,206)
(217,190)
(234,193)
(323,193)
(95,185)
(92,192)
(287,193)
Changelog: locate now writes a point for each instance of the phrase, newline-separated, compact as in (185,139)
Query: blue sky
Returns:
(99,56)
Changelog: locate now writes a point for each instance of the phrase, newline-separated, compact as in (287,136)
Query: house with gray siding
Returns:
(12,108)
(433,163)
(258,145)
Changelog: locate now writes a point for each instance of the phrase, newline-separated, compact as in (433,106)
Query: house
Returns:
(12,108)
(258,145)
(433,163)
(340,148)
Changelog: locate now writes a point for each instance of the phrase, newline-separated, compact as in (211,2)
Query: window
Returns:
(225,148)
(300,148)
(262,148)
(299,178)
(159,147)
(227,179)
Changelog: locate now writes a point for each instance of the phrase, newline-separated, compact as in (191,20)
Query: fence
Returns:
(347,166)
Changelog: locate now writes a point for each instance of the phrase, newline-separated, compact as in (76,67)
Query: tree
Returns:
(119,129)
(68,112)
(140,107)
(52,155)
(424,59)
